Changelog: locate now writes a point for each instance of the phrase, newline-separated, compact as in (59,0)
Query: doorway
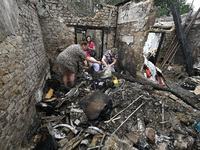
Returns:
(96,36)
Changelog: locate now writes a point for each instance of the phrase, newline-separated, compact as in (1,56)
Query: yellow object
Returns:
(49,94)
(115,81)
(153,50)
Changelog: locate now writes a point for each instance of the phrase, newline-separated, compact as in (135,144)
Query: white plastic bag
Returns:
(107,72)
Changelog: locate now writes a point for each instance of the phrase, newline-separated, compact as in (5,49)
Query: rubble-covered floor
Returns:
(151,119)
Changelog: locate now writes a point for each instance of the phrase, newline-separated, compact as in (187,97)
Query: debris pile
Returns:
(113,113)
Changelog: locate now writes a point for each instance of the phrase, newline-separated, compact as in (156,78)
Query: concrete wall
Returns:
(23,71)
(134,20)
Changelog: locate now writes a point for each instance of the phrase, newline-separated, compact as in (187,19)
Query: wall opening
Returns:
(96,36)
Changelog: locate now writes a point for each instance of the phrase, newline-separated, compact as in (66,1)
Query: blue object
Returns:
(197,124)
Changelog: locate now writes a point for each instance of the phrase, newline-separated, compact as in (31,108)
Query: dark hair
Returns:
(83,43)
(87,38)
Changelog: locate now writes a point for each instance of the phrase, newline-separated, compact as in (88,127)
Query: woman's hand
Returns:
(114,62)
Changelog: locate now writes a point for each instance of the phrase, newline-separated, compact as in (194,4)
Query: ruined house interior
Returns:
(150,102)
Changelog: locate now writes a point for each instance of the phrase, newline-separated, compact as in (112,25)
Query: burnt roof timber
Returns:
(91,27)
(122,3)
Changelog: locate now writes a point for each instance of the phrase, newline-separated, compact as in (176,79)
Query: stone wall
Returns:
(23,71)
(59,25)
(134,20)
(167,24)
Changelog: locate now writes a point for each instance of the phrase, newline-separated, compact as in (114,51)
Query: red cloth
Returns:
(88,53)
(90,45)
(161,81)
(148,73)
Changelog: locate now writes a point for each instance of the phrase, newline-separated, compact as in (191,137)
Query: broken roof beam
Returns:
(122,3)
(173,46)
(182,38)
(187,29)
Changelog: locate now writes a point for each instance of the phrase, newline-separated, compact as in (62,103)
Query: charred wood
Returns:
(182,38)
(187,29)
(34,130)
(155,86)
(174,46)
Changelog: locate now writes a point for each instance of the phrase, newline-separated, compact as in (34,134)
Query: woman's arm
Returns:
(103,61)
(93,48)
(114,62)
(92,60)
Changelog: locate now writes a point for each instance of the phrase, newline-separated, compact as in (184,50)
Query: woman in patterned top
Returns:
(110,58)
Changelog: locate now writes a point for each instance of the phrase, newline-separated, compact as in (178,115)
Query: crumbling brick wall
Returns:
(24,68)
(58,25)
(134,20)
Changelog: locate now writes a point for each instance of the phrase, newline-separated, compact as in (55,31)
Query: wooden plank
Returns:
(174,43)
(187,29)
(182,38)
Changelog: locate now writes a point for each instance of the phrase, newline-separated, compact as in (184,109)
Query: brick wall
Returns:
(24,50)
(24,68)
(58,25)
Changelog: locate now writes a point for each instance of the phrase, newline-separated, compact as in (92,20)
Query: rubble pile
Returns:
(114,114)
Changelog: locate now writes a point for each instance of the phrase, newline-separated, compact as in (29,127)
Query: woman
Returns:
(91,46)
(69,58)
(110,58)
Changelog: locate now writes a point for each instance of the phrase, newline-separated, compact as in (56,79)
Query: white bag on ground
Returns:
(107,72)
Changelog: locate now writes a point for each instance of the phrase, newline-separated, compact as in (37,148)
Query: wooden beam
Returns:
(187,29)
(155,86)
(182,38)
(91,27)
(174,44)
